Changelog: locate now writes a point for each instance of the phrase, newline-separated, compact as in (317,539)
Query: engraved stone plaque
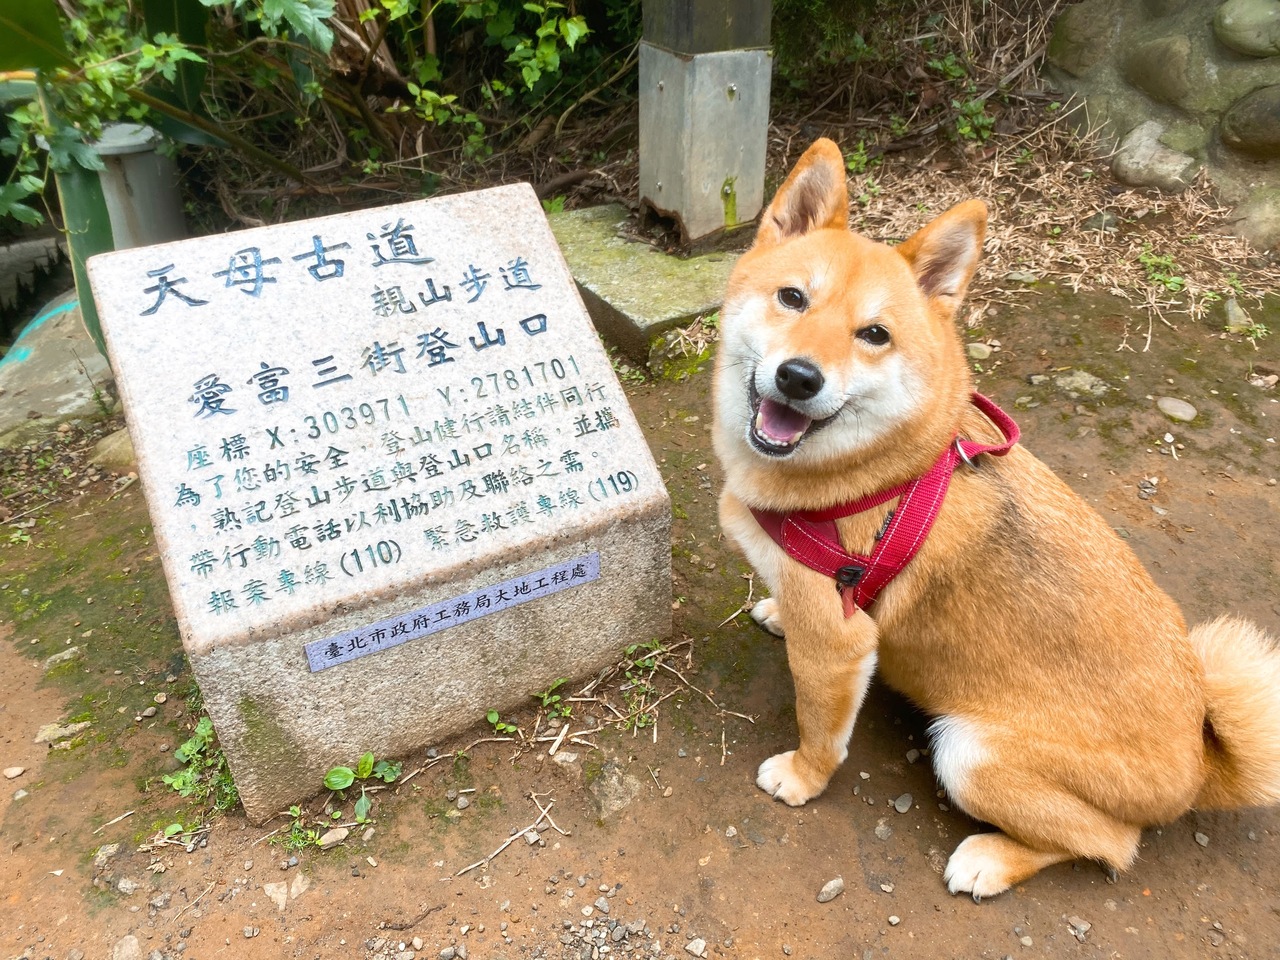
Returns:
(392,475)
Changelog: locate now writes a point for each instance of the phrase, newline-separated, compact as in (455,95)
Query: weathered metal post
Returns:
(704,111)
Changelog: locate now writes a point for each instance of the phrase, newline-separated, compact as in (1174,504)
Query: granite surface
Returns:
(348,426)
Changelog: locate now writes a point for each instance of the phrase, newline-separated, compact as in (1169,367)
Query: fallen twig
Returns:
(511,839)
(211,885)
(410,924)
(546,812)
(127,813)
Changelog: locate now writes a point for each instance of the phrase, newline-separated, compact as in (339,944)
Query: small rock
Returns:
(731,832)
(697,947)
(1021,276)
(127,948)
(463,803)
(160,900)
(1141,160)
(978,351)
(448,953)
(64,656)
(894,921)
(1202,839)
(830,890)
(127,886)
(913,756)
(887,887)
(903,803)
(277,893)
(20,794)
(53,732)
(333,837)
(1080,382)
(1238,321)
(366,837)
(13,773)
(250,932)
(602,905)
(149,712)
(104,854)
(160,698)
(883,830)
(1176,409)
(1079,928)
(1026,941)
(1102,220)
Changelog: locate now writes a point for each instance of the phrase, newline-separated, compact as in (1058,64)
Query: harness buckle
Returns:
(963,456)
(848,576)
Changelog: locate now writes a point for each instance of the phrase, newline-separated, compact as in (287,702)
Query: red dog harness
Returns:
(811,537)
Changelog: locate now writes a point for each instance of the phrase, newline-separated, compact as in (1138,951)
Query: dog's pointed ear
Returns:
(813,196)
(944,254)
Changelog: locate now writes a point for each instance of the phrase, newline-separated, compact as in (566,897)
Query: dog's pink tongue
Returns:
(780,423)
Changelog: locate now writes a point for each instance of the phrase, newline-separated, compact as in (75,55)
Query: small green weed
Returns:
(870,190)
(554,204)
(858,161)
(643,660)
(339,778)
(500,727)
(948,67)
(972,120)
(1161,270)
(300,835)
(206,774)
(366,768)
(552,702)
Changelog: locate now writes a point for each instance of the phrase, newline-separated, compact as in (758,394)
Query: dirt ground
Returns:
(664,846)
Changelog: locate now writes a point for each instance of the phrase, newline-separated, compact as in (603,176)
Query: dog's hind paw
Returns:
(977,867)
(987,864)
(766,613)
(781,778)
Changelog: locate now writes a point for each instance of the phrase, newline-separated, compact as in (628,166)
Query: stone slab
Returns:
(52,372)
(635,292)
(377,449)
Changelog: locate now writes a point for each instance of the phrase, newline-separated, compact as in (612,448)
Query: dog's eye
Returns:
(792,298)
(875,335)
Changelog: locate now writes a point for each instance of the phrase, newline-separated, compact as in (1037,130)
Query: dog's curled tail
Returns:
(1242,732)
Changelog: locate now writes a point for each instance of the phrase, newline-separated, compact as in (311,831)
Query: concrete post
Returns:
(704,111)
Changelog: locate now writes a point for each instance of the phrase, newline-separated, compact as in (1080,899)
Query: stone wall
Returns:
(1178,86)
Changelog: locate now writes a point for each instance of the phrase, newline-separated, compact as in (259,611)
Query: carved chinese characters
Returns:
(379,421)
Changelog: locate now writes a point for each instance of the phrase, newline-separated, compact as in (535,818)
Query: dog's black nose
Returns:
(798,378)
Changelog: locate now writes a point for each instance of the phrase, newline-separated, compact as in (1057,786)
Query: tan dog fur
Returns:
(1073,708)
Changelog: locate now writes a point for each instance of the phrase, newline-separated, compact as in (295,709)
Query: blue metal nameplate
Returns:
(393,631)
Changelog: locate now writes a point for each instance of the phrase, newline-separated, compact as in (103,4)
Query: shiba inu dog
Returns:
(1072,707)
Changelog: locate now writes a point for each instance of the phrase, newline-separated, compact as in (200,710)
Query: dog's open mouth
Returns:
(777,429)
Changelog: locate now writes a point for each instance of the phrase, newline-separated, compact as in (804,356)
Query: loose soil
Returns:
(693,851)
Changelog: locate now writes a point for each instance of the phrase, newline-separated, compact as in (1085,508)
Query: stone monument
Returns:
(392,476)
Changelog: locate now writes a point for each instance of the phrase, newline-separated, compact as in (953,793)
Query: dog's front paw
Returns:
(766,613)
(783,779)
(979,866)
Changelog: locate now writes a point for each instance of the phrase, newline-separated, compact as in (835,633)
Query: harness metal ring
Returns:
(963,456)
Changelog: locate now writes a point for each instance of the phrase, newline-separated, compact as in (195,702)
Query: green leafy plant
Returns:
(500,727)
(972,122)
(299,835)
(339,778)
(206,774)
(1161,270)
(948,67)
(642,664)
(552,702)
(858,161)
